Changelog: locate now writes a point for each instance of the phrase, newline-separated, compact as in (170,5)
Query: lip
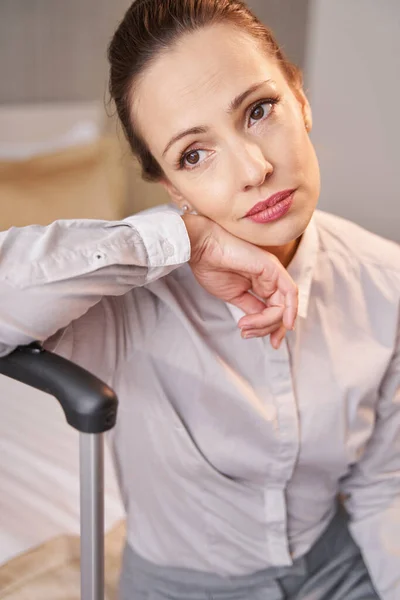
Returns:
(270,202)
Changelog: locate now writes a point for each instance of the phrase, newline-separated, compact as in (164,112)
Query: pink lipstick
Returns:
(275,207)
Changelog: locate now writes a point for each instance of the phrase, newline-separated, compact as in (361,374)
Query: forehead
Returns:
(200,75)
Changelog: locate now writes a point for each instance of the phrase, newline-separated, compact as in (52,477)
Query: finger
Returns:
(266,268)
(268,317)
(273,298)
(257,333)
(290,312)
(248,303)
(277,299)
(279,287)
(277,337)
(290,315)
(291,293)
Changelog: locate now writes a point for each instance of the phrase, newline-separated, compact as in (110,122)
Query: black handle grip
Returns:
(89,404)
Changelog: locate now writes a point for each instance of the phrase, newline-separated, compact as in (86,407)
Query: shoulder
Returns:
(344,239)
(365,264)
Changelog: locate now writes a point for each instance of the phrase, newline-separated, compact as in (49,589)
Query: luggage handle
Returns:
(90,406)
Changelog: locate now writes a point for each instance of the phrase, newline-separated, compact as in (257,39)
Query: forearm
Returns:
(50,276)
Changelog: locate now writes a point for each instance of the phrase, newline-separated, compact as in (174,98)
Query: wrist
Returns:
(199,230)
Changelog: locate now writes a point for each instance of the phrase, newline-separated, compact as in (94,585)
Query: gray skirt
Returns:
(332,570)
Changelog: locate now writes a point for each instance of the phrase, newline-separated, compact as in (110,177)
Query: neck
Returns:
(284,253)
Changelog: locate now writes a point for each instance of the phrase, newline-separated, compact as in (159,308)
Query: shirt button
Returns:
(99,256)
(168,248)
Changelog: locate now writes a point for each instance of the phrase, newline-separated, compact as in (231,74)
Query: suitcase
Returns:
(90,406)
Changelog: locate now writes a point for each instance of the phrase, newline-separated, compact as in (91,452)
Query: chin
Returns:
(280,232)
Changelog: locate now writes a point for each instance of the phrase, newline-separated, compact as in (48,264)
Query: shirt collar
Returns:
(302,266)
(301,269)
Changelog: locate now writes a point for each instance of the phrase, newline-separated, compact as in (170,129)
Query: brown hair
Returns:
(150,27)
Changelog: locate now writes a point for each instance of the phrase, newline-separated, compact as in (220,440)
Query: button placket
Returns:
(279,377)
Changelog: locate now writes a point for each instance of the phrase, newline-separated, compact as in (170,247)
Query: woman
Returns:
(231,452)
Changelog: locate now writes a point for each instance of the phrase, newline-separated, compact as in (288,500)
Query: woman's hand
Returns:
(230,269)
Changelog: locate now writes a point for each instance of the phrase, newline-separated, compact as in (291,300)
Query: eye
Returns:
(192,158)
(261,111)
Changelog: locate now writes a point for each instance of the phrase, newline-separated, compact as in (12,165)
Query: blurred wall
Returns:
(288,20)
(353,75)
(55,51)
(52,51)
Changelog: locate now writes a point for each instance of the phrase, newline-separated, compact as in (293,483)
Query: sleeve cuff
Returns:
(164,236)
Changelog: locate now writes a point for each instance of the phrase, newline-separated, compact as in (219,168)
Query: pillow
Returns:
(80,182)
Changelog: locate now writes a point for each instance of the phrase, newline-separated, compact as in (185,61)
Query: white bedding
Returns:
(39,471)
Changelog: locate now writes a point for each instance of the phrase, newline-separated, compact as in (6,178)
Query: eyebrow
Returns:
(234,105)
(238,101)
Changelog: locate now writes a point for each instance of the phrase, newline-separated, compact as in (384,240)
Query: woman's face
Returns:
(229,132)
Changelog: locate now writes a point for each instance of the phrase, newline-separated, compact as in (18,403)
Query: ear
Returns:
(174,194)
(305,108)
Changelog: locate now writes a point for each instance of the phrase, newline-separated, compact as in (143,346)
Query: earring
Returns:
(186,209)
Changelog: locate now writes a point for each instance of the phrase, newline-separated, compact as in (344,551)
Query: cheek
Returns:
(288,139)
(290,147)
(297,162)
(210,192)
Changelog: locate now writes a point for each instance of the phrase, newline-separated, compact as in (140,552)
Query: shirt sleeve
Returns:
(372,490)
(50,276)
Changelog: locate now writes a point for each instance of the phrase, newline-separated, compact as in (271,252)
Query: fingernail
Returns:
(247,336)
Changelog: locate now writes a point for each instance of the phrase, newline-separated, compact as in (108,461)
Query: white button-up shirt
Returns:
(230,454)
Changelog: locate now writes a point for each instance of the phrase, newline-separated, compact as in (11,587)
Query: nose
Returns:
(253,168)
